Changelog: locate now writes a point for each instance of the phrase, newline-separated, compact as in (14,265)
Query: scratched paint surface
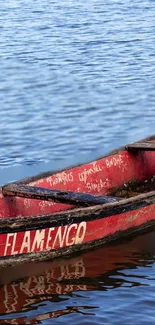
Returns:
(98,177)
(64,236)
(117,169)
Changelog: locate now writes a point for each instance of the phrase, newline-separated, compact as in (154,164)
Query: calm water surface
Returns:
(77,79)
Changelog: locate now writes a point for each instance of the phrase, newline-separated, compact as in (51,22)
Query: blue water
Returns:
(77,79)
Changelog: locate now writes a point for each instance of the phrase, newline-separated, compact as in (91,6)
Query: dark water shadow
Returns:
(25,286)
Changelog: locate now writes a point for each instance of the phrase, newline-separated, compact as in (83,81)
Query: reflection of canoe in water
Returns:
(89,271)
(93,203)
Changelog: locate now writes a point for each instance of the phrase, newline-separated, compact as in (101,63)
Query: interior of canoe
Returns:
(122,174)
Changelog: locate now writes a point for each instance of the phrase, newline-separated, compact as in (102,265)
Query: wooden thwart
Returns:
(147,146)
(69,197)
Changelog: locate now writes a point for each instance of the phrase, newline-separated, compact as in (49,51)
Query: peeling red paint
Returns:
(100,177)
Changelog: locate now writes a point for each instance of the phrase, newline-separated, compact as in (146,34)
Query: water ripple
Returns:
(74,77)
(77,80)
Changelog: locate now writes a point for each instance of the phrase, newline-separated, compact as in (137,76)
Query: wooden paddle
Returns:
(68,197)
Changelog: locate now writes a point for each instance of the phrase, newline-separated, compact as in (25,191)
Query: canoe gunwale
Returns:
(73,250)
(76,215)
(34,235)
(39,176)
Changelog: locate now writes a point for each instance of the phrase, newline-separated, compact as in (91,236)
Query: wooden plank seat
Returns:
(69,197)
(147,146)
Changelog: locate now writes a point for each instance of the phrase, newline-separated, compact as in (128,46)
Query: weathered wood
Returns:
(67,217)
(147,146)
(39,230)
(39,193)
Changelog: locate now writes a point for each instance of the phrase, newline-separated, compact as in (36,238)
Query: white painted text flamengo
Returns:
(44,239)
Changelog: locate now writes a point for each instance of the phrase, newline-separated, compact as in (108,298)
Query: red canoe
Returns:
(53,215)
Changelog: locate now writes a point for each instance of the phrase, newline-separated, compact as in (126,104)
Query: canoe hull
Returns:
(54,242)
(32,229)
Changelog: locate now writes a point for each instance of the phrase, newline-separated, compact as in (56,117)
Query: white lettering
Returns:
(60,178)
(81,231)
(49,238)
(26,242)
(38,240)
(59,237)
(45,204)
(86,172)
(116,161)
(13,252)
(72,239)
(91,187)
(8,244)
